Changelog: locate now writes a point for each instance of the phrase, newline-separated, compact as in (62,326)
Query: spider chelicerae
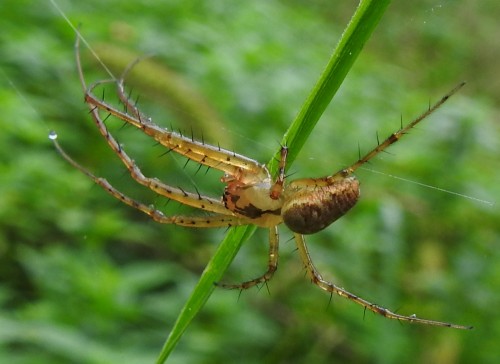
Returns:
(251,195)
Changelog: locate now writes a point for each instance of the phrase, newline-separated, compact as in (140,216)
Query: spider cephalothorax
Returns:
(251,195)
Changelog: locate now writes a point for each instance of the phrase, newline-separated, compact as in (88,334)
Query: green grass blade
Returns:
(356,34)
(213,272)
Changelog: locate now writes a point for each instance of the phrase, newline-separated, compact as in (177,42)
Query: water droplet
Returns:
(52,135)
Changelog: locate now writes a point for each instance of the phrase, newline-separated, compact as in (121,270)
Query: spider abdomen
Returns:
(311,208)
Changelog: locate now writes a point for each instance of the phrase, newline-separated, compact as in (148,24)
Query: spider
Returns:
(251,195)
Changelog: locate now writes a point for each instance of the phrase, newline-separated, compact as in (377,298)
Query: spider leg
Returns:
(218,220)
(318,280)
(393,138)
(177,194)
(233,164)
(272,264)
(277,188)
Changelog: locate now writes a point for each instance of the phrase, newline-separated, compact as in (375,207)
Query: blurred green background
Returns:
(85,279)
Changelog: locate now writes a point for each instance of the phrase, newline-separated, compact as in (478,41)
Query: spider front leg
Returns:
(318,280)
(217,220)
(272,264)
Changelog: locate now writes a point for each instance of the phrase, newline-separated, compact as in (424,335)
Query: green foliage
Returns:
(85,279)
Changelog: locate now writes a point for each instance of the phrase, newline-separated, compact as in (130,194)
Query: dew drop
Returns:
(52,135)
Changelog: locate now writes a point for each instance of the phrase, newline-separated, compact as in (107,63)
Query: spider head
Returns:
(313,204)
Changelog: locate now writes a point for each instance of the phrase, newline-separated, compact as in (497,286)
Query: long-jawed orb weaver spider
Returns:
(251,195)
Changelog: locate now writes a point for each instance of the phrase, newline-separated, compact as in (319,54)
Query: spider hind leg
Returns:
(318,280)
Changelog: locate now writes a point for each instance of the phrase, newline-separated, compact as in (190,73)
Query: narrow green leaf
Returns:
(353,39)
(357,33)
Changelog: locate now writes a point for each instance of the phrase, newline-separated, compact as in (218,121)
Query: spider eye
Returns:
(313,208)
